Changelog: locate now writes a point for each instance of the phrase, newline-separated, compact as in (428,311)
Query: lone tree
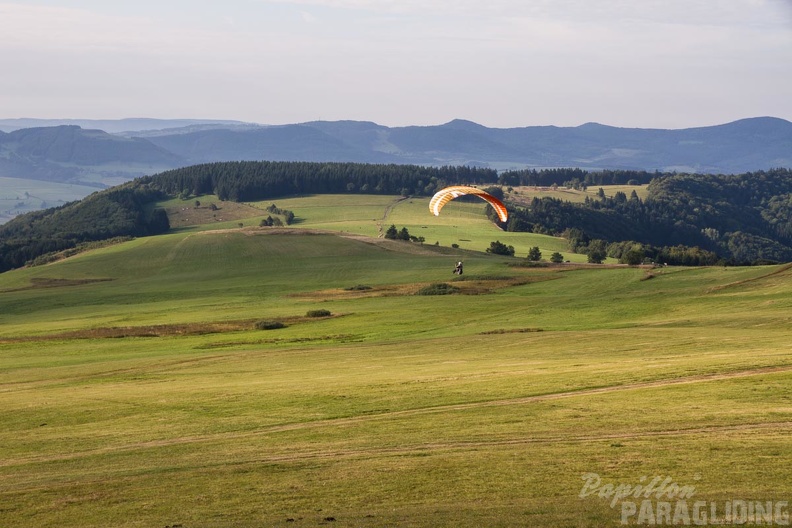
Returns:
(596,256)
(534,254)
(632,257)
(392,233)
(556,258)
(499,248)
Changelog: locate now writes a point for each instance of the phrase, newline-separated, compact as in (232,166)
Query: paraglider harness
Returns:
(458,268)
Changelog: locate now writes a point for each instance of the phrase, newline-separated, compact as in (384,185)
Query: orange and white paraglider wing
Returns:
(444,196)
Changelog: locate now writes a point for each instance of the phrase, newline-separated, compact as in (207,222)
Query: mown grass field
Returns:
(136,391)
(524,194)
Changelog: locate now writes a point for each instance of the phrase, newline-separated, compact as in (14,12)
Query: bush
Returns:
(438,288)
(318,313)
(269,325)
(359,287)
(499,248)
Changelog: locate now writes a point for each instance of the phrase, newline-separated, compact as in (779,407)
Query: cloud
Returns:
(408,60)
(308,17)
(54,27)
(717,12)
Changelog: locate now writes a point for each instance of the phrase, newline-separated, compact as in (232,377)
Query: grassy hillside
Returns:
(461,223)
(136,391)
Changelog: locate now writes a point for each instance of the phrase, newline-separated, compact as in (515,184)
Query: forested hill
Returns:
(127,210)
(742,218)
(745,218)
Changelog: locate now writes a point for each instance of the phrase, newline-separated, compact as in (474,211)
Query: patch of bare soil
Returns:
(259,230)
(189,214)
(466,287)
(165,330)
(42,282)
(402,246)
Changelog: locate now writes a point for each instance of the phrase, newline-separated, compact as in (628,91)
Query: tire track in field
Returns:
(781,270)
(17,386)
(335,422)
(406,450)
(527,399)
(171,256)
(385,214)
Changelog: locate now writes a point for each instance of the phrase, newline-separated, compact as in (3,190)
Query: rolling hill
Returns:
(682,219)
(136,389)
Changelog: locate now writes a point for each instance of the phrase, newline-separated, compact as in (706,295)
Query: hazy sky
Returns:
(501,63)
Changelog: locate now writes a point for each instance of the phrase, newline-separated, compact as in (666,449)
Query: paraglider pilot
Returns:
(458,268)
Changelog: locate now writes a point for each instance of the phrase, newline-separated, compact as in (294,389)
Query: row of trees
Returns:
(260,180)
(577,178)
(534,254)
(288,216)
(392,233)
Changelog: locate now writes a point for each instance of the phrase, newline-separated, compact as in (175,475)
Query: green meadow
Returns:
(460,223)
(137,390)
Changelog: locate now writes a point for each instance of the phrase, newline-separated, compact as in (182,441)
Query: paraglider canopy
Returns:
(444,196)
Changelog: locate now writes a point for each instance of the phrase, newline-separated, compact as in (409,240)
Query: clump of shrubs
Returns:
(359,287)
(269,325)
(438,288)
(318,313)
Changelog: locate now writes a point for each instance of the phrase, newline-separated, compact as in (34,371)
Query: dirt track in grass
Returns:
(782,427)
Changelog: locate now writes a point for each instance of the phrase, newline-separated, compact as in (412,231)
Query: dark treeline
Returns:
(261,180)
(735,218)
(576,177)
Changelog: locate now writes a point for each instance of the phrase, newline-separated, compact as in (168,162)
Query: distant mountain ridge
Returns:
(70,153)
(111,126)
(745,145)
